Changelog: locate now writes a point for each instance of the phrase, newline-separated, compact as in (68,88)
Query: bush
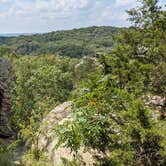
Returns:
(5,159)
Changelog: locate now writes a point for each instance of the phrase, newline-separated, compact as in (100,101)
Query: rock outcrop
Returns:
(47,138)
(155,100)
(158,102)
(5,97)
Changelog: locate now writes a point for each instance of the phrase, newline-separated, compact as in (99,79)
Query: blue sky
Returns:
(28,16)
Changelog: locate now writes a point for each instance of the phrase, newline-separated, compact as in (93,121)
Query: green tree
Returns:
(40,84)
(110,117)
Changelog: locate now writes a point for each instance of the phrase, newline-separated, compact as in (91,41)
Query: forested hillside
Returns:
(117,99)
(72,43)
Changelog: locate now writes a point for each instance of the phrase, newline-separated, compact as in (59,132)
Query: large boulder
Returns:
(47,138)
(5,97)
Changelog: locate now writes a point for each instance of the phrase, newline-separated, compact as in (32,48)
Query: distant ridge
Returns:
(16,34)
(72,43)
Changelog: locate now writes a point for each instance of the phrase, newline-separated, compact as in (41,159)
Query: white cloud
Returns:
(124,17)
(124,3)
(46,15)
(42,7)
(112,14)
(5,1)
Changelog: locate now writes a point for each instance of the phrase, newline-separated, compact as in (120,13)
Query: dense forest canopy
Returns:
(72,43)
(113,114)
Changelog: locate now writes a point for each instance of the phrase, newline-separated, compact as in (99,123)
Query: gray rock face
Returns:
(5,97)
(47,138)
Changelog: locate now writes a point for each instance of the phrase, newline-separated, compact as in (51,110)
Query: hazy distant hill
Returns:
(73,43)
(15,34)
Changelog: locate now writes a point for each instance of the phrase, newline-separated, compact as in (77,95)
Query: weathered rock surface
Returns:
(5,97)
(158,102)
(155,100)
(47,138)
(86,66)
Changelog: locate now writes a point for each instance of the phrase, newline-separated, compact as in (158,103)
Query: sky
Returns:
(37,16)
